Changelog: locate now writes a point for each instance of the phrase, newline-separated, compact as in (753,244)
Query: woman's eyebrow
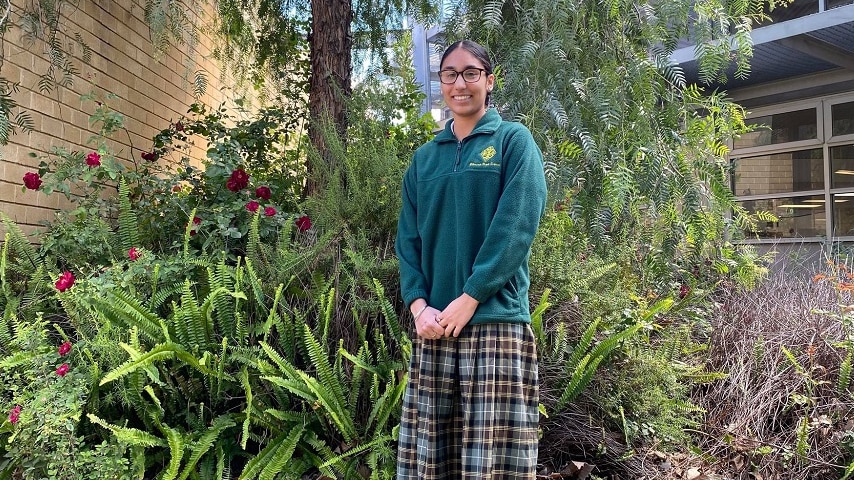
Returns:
(448,67)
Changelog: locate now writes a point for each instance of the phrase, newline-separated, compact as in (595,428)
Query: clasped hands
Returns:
(432,323)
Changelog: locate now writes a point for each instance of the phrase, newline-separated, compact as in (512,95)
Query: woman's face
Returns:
(462,98)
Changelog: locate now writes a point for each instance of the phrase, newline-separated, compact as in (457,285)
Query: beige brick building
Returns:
(153,91)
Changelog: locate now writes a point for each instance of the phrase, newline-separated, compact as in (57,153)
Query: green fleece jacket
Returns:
(470,211)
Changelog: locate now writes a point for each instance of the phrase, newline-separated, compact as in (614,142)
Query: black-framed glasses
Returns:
(470,75)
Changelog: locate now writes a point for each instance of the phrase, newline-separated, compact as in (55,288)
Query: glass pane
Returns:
(779,173)
(837,3)
(796,217)
(780,128)
(842,115)
(795,9)
(843,214)
(842,166)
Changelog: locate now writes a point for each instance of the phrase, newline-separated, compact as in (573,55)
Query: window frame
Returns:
(824,140)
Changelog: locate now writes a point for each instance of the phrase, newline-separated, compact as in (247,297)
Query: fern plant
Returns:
(352,399)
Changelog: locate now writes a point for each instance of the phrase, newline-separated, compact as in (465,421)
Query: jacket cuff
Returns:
(413,296)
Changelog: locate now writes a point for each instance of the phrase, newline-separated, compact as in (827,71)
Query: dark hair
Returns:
(477,52)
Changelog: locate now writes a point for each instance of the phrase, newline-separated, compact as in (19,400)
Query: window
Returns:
(843,118)
(780,128)
(786,168)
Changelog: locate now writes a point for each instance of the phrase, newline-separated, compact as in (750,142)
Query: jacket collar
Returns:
(488,123)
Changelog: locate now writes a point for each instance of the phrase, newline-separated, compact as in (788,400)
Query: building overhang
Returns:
(820,43)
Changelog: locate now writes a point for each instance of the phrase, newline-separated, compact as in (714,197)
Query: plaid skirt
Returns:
(470,410)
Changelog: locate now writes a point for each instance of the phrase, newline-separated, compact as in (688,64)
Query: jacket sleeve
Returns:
(413,283)
(517,217)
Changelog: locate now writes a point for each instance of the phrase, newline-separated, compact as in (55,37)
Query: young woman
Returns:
(472,202)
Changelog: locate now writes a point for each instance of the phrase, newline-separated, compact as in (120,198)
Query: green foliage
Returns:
(362,182)
(353,399)
(628,144)
(12,117)
(42,21)
(45,439)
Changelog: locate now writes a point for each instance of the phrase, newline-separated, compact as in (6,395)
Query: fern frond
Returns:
(273,456)
(205,442)
(123,309)
(844,380)
(176,451)
(128,225)
(283,454)
(130,436)
(320,360)
(247,389)
(159,352)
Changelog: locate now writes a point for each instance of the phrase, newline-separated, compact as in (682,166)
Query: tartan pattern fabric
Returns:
(470,410)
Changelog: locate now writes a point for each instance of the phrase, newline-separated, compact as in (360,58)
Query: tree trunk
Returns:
(331,45)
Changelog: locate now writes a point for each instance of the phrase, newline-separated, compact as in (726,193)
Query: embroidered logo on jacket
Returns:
(485,156)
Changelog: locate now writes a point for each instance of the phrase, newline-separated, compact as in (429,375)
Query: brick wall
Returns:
(153,92)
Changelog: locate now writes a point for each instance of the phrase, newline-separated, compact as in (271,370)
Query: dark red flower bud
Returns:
(64,349)
(62,370)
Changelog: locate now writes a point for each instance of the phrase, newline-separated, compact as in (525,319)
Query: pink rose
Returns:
(15,414)
(64,349)
(62,370)
(65,281)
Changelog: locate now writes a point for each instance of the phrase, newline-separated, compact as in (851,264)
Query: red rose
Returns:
(240,175)
(15,414)
(134,254)
(64,349)
(252,206)
(238,180)
(150,156)
(303,223)
(684,290)
(65,281)
(263,193)
(62,370)
(32,180)
(93,159)
(269,211)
